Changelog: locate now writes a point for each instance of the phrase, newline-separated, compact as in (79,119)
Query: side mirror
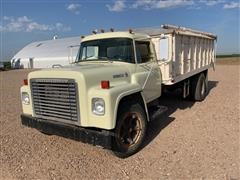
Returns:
(72,53)
(163,49)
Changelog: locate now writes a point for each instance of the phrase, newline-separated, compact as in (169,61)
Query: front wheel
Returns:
(130,130)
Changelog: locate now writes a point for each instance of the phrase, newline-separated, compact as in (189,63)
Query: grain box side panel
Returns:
(178,56)
(192,55)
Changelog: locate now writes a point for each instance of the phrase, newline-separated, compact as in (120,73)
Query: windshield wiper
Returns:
(104,58)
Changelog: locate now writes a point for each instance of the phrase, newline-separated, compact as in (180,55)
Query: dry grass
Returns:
(229,61)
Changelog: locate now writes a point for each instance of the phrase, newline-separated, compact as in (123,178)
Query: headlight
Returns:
(98,106)
(25,98)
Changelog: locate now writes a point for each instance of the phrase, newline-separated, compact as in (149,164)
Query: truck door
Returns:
(148,71)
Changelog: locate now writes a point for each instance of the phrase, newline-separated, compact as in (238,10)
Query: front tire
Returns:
(130,130)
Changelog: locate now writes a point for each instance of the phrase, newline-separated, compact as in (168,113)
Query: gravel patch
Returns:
(190,141)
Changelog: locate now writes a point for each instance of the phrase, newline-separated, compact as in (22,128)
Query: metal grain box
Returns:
(181,52)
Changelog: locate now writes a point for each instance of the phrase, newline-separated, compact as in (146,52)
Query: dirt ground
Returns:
(190,141)
(228,61)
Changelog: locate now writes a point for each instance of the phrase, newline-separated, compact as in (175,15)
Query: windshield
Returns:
(113,49)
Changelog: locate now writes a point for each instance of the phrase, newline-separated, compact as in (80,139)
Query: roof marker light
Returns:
(102,30)
(130,31)
(111,30)
(94,31)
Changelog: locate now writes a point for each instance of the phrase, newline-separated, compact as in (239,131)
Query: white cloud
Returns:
(6,18)
(118,6)
(35,26)
(211,2)
(161,4)
(26,24)
(60,27)
(74,8)
(232,5)
(24,19)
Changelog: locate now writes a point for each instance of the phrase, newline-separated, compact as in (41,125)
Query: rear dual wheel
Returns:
(199,87)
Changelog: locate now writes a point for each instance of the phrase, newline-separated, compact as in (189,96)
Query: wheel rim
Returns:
(130,130)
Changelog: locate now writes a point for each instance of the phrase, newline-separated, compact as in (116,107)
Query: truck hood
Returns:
(91,73)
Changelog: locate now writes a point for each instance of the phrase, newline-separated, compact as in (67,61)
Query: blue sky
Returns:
(25,21)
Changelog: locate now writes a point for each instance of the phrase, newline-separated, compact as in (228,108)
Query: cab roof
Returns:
(120,34)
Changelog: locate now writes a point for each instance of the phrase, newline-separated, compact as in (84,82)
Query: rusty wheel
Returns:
(130,130)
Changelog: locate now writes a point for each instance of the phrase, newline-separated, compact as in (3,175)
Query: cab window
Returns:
(90,52)
(114,49)
(143,51)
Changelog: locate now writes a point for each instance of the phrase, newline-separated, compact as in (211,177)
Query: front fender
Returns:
(125,94)
(112,98)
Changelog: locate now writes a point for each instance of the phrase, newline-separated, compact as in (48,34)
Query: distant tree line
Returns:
(6,66)
(228,55)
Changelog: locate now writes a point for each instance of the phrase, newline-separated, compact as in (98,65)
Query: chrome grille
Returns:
(55,99)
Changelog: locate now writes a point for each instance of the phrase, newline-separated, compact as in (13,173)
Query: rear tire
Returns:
(130,130)
(199,88)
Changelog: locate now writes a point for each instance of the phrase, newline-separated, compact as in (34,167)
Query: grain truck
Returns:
(103,98)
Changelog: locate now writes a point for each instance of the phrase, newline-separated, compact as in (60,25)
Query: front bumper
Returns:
(96,137)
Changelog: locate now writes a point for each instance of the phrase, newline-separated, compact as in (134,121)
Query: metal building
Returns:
(45,54)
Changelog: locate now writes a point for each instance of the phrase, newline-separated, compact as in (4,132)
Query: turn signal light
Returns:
(105,84)
(25,82)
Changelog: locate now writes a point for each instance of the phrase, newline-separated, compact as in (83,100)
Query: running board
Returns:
(156,111)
